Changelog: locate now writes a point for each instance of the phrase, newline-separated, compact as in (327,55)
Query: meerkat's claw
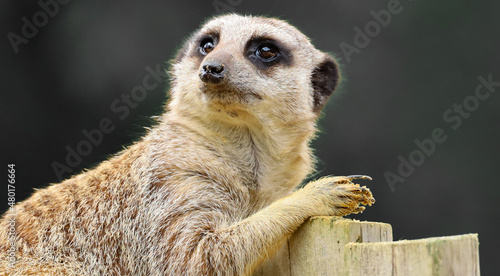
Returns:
(367,197)
(358,210)
(359,176)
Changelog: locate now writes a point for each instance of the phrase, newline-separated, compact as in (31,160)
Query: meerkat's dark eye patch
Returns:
(265,53)
(203,44)
(206,43)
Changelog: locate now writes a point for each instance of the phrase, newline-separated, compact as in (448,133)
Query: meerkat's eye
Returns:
(267,52)
(207,45)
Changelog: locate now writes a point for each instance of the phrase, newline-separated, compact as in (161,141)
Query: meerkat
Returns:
(212,188)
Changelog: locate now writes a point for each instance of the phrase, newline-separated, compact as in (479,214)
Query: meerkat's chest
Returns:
(265,170)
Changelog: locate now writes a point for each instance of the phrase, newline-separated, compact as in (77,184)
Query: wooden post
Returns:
(317,247)
(452,255)
(337,246)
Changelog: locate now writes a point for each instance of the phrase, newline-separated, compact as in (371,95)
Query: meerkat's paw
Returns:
(351,197)
(341,195)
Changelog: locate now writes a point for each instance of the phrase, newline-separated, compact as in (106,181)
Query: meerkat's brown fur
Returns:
(210,190)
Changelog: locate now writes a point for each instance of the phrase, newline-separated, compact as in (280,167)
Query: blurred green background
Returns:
(399,82)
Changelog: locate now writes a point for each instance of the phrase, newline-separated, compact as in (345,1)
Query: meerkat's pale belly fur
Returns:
(210,189)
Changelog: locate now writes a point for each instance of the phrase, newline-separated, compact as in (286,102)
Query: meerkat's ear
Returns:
(325,78)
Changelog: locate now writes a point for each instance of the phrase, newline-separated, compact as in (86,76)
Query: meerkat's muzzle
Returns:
(212,72)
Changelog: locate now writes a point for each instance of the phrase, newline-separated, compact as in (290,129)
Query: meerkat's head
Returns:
(242,69)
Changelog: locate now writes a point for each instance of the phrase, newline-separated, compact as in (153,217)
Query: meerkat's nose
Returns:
(212,72)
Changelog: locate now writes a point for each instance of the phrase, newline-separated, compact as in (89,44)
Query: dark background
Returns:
(395,90)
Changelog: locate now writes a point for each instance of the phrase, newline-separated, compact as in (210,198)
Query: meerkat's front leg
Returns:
(238,248)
